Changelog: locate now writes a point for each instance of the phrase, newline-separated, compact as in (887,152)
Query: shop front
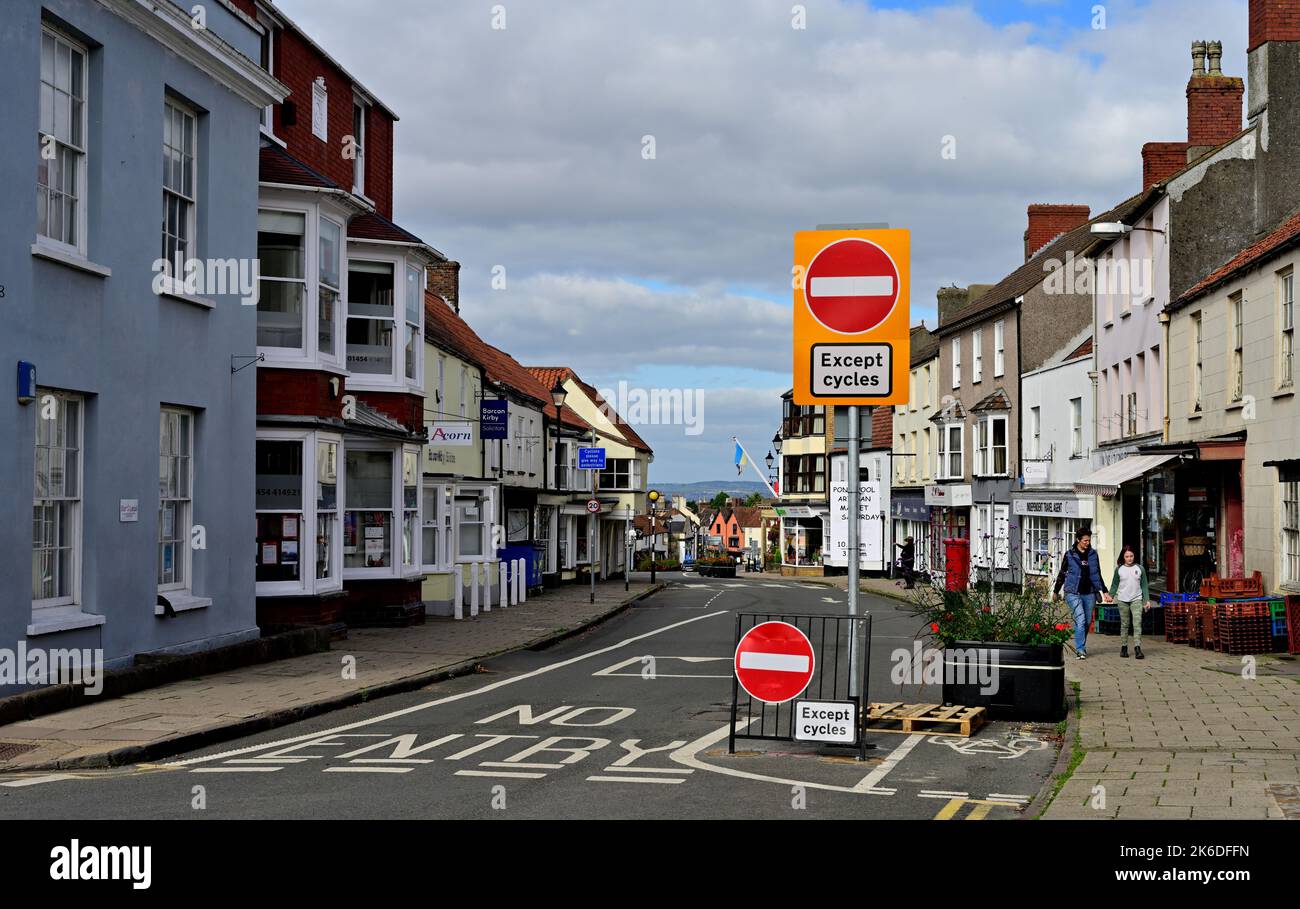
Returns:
(1135,496)
(1047,522)
(911,517)
(950,513)
(803,531)
(1208,515)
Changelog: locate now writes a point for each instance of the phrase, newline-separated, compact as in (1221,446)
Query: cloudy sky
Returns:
(524,148)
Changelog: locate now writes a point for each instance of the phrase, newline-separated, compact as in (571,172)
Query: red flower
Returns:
(934,626)
(988,609)
(948,617)
(1037,627)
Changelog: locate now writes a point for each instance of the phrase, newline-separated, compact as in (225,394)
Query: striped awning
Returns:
(1108,480)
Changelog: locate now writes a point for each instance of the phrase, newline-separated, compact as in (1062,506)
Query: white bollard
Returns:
(473,588)
(487,588)
(523,580)
(513,565)
(458,592)
(505,594)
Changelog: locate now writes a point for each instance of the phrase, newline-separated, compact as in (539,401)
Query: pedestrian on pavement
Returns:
(1134,597)
(1080,577)
(907,560)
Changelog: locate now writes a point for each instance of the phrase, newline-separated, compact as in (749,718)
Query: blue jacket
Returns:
(1072,568)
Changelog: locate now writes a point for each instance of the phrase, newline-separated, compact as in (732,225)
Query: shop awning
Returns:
(1108,480)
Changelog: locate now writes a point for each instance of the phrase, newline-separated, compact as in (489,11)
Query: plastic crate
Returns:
(1215,586)
(1279,627)
(1293,624)
(1167,599)
(1153,621)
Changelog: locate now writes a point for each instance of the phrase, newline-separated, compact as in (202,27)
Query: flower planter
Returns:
(717,571)
(1028,680)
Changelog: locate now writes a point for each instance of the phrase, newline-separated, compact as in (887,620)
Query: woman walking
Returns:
(1131,592)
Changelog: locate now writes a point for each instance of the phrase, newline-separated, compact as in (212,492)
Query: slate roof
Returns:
(998,400)
(925,344)
(275,165)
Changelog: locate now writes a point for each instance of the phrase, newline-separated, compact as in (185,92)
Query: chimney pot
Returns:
(1198,58)
(1215,52)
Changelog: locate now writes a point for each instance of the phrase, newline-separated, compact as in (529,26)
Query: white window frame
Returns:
(464,391)
(184,506)
(396,377)
(977,355)
(75,503)
(956,362)
(1286,328)
(1034,526)
(999,348)
(485,496)
(1076,428)
(307,583)
(81,154)
(1289,520)
(302,353)
(397,566)
(267,62)
(334,581)
(1035,432)
(949,432)
(187,205)
(333,356)
(359,163)
(1236,316)
(1198,360)
(985,448)
(436,516)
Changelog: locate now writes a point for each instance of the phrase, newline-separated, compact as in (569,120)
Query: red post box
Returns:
(956,554)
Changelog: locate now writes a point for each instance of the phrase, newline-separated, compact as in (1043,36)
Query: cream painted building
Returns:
(914,447)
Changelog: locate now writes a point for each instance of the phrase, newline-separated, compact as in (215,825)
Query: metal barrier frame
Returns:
(859,630)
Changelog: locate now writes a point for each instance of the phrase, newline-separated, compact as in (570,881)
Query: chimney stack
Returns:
(444,280)
(1047,222)
(950,300)
(1213,100)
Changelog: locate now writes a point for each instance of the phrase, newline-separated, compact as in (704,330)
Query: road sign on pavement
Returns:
(851,316)
(593,505)
(774,662)
(591,459)
(826,721)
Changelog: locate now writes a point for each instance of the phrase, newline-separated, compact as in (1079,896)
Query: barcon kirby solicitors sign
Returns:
(455,434)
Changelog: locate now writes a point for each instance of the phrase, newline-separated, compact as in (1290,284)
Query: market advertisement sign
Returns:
(871,524)
(851,316)
(494,419)
(826,721)
(458,435)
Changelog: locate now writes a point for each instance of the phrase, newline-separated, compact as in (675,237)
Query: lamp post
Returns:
(653,498)
(558,395)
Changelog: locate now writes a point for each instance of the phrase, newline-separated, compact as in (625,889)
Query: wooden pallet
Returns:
(931,719)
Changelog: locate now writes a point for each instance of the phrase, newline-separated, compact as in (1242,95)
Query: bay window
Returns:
(282,289)
(327,508)
(297,503)
(414,336)
(56,501)
(410,507)
(329,269)
(368,516)
(991,445)
(951,464)
(371,316)
(279,505)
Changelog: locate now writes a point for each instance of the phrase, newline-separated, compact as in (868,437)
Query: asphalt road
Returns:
(589,728)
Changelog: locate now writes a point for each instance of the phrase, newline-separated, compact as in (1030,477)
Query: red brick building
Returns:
(340,346)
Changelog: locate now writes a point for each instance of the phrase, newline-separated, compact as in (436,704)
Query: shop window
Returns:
(327,508)
(1038,557)
(279,509)
(368,521)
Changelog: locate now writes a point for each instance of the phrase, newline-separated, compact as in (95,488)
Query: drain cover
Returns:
(10,750)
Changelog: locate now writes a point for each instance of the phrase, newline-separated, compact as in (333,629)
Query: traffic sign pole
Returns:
(855,430)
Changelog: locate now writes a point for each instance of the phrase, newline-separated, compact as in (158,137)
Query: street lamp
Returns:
(776,443)
(769,459)
(1116,229)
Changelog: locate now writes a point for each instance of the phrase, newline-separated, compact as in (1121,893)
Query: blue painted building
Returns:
(126,257)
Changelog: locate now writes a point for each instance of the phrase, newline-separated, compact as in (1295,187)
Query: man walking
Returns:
(907,560)
(1080,576)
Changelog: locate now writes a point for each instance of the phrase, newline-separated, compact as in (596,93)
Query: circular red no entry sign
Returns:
(851,286)
(774,662)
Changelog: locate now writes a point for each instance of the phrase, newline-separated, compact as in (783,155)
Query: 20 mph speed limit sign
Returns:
(851,316)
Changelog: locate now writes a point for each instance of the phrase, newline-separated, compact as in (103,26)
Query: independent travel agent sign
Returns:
(851,316)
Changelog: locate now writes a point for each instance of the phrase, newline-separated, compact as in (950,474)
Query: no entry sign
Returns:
(774,662)
(851,286)
(851,317)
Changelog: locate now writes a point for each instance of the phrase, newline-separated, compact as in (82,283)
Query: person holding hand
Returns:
(1080,577)
(1134,597)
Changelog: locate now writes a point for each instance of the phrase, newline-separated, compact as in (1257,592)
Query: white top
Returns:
(1130,583)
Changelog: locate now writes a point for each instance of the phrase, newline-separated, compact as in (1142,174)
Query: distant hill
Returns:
(707,489)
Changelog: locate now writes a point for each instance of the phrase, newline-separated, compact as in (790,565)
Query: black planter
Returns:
(1028,679)
(717,571)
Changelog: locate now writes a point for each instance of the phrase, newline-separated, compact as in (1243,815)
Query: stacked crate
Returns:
(1244,627)
(1217,588)
(1293,624)
(1153,621)
(1178,615)
(1107,620)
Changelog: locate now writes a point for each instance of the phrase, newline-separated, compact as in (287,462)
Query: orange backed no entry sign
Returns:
(851,316)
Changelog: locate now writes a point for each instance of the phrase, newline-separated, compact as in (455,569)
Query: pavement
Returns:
(627,719)
(370,663)
(1184,733)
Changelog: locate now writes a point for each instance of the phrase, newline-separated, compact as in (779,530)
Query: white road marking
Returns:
(37,780)
(368,769)
(501,773)
(235,769)
(1010,798)
(613,670)
(941,794)
(415,708)
(696,586)
(902,751)
(686,755)
(780,586)
(682,770)
(852,286)
(631,779)
(520,765)
(776,662)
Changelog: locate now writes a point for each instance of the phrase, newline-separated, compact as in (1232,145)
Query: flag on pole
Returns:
(741,459)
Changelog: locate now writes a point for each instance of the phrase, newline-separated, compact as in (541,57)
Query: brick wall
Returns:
(300,392)
(297,65)
(1213,109)
(1047,222)
(1160,160)
(882,427)
(387,602)
(406,409)
(1273,20)
(444,280)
